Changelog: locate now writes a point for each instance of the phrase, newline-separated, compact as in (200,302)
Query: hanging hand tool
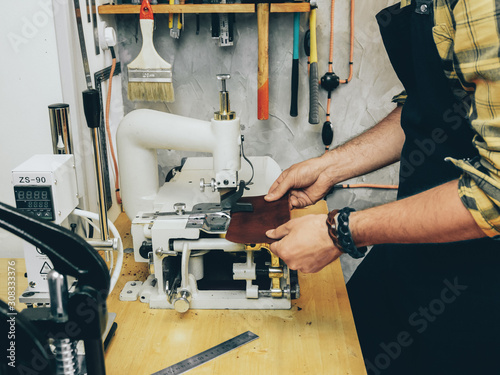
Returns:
(263,61)
(88,79)
(313,70)
(327,134)
(307,48)
(295,65)
(330,81)
(149,76)
(95,29)
(222,25)
(174,22)
(197,17)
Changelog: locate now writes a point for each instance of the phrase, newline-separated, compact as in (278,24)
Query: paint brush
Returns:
(149,76)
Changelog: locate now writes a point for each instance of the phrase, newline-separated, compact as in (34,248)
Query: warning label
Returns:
(45,269)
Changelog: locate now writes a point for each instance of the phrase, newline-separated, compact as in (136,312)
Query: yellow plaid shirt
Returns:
(467,36)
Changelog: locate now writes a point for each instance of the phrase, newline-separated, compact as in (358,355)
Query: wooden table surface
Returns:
(316,336)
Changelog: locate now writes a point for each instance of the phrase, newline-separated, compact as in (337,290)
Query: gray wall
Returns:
(196,60)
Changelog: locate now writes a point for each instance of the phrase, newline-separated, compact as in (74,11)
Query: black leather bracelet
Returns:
(345,237)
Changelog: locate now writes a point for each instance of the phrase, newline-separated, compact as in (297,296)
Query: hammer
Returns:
(313,69)
(263,61)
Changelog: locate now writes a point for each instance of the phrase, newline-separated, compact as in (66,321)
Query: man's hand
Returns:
(306,182)
(311,180)
(304,243)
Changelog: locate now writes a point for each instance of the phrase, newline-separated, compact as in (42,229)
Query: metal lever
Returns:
(92,109)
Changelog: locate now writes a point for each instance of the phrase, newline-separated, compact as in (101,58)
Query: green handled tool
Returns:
(295,65)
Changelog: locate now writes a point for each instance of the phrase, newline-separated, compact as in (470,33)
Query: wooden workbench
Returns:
(316,336)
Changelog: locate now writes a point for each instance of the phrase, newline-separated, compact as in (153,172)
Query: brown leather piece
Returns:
(251,227)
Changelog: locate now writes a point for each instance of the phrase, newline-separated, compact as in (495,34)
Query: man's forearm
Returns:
(434,216)
(372,150)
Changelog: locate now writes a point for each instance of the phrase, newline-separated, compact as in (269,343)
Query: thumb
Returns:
(271,233)
(276,191)
(278,233)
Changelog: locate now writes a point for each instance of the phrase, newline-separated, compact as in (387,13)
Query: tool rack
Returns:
(262,10)
(204,8)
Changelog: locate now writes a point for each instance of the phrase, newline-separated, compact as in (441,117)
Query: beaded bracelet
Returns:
(332,227)
(341,234)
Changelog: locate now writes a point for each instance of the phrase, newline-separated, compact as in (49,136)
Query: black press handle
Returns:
(92,107)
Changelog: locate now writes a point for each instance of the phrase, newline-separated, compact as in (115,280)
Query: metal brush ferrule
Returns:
(149,75)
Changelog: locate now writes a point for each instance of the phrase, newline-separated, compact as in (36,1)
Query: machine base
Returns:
(212,300)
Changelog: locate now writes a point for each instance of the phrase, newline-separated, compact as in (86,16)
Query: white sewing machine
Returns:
(179,227)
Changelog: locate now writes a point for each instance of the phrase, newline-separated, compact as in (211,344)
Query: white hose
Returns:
(119,260)
(97,229)
(111,262)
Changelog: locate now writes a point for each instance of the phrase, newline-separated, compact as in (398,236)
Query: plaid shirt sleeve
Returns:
(468,39)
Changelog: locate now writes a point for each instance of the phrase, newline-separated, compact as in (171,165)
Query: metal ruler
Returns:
(203,357)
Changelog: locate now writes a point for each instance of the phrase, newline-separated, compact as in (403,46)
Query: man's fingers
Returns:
(278,233)
(299,199)
(274,248)
(278,188)
(276,193)
(294,202)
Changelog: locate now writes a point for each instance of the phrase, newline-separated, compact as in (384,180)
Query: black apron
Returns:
(432,308)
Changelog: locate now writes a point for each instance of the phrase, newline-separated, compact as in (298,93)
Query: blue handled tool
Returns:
(295,65)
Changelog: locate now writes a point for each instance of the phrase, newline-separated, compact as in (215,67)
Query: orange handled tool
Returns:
(263,61)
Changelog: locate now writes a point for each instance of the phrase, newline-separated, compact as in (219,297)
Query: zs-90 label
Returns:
(27,180)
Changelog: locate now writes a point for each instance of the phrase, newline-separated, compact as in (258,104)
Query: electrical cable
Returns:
(351,49)
(369,186)
(91,223)
(111,263)
(119,260)
(108,129)
(248,161)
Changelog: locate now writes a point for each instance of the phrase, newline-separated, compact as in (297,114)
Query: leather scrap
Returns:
(251,227)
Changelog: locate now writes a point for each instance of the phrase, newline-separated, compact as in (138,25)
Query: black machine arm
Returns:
(86,306)
(70,254)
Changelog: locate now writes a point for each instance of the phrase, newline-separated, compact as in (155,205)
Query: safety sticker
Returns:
(45,269)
